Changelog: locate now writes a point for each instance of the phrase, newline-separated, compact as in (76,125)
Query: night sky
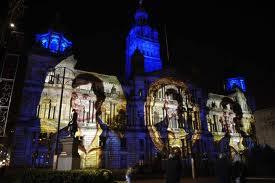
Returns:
(207,41)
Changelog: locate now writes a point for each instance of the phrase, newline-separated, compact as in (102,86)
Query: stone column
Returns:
(37,70)
(110,113)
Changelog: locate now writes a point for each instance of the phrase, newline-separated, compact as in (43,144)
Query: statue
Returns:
(73,124)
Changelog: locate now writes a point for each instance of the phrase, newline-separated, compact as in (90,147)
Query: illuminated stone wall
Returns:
(28,125)
(173,116)
(161,114)
(48,108)
(265,126)
(231,122)
(95,97)
(122,125)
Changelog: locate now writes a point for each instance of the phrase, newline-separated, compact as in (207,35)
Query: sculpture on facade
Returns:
(73,123)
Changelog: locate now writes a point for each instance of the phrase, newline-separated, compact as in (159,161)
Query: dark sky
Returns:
(209,41)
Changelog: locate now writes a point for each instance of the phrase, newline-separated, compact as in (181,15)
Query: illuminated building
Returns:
(265,126)
(150,115)
(145,39)
(53,41)
(238,82)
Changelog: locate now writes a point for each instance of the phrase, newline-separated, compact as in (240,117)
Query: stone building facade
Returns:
(124,122)
(265,126)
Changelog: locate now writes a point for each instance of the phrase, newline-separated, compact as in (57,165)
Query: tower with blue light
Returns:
(54,41)
(238,82)
(54,46)
(145,39)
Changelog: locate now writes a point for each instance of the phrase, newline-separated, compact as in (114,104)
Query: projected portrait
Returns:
(101,105)
(171,114)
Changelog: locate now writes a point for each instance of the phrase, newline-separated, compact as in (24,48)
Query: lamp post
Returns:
(60,109)
(59,117)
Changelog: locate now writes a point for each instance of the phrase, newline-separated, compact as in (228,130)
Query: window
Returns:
(123,143)
(123,161)
(58,79)
(199,101)
(53,112)
(215,123)
(141,159)
(45,110)
(49,109)
(141,144)
(33,137)
(37,111)
(50,78)
(140,92)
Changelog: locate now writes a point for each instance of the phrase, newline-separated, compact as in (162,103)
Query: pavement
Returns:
(183,180)
(201,180)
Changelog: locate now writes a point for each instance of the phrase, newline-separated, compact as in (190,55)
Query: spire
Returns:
(141,16)
(56,24)
(146,40)
(140,3)
(54,39)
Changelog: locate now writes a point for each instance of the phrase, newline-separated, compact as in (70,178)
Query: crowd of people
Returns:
(226,170)
(230,171)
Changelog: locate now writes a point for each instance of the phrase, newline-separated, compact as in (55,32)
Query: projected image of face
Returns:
(84,104)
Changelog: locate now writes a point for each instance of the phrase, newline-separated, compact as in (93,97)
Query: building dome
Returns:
(54,41)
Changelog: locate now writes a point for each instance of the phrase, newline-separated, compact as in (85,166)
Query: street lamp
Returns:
(61,101)
(12,25)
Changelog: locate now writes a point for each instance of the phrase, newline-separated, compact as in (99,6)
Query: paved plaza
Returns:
(202,180)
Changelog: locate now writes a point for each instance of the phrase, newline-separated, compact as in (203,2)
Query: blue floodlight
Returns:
(236,82)
(54,41)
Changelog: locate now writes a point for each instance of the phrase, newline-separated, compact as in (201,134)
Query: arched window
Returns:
(50,78)
(123,143)
(141,144)
(54,45)
(140,92)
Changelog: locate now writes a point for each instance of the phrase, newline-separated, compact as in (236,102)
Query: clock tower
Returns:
(145,39)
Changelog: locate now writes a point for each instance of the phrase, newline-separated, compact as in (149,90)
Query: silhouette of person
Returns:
(173,169)
(238,169)
(223,171)
(129,174)
(73,123)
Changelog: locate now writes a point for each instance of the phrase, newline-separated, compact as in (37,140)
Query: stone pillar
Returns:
(110,113)
(69,158)
(36,72)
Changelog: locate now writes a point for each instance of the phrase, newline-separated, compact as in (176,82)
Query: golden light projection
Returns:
(170,114)
(230,116)
(98,100)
